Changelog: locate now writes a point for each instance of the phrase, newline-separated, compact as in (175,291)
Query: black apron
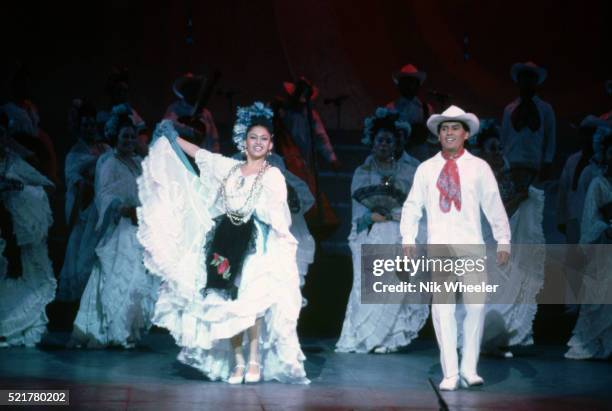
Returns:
(228,245)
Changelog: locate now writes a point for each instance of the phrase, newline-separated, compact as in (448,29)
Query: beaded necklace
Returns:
(242,214)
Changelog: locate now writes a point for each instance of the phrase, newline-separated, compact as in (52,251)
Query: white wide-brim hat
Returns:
(453,113)
(528,66)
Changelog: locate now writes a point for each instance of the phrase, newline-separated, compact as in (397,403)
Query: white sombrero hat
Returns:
(529,66)
(453,113)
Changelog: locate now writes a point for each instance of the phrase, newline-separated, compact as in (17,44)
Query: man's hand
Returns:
(502,258)
(409,250)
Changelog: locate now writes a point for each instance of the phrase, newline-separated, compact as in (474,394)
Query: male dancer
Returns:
(453,186)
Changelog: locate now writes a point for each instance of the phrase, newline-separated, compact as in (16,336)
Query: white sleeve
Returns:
(493,208)
(106,184)
(306,198)
(593,224)
(213,167)
(24,172)
(412,211)
(272,207)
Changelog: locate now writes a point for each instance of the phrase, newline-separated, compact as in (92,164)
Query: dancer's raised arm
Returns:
(189,148)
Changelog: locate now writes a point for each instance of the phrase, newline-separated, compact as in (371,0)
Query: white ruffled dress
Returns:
(509,325)
(380,327)
(80,251)
(174,219)
(592,334)
(299,228)
(23,320)
(119,299)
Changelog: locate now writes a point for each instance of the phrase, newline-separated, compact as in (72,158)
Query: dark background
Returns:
(345,46)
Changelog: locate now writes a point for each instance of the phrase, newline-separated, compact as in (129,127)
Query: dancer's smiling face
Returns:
(258,142)
(453,135)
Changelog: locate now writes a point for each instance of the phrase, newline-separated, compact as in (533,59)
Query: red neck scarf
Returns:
(449,183)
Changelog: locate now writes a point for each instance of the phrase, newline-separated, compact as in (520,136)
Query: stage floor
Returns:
(150,378)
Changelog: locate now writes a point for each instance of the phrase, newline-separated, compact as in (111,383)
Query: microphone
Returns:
(336,100)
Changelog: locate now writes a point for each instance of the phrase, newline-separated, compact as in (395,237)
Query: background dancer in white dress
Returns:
(453,187)
(118,301)
(578,172)
(592,335)
(380,328)
(80,209)
(27,282)
(222,246)
(505,324)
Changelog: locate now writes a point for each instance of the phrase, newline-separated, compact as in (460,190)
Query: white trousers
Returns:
(445,325)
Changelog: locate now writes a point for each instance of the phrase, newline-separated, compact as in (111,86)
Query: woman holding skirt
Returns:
(219,240)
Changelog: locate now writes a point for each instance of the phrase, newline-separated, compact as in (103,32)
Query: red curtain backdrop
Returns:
(346,47)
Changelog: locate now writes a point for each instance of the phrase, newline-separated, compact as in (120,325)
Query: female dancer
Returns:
(81,213)
(380,327)
(222,247)
(511,323)
(118,301)
(27,282)
(592,335)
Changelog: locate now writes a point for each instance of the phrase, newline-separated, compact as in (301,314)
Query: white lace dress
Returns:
(23,320)
(80,251)
(174,219)
(592,334)
(380,327)
(118,301)
(512,324)
(299,228)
